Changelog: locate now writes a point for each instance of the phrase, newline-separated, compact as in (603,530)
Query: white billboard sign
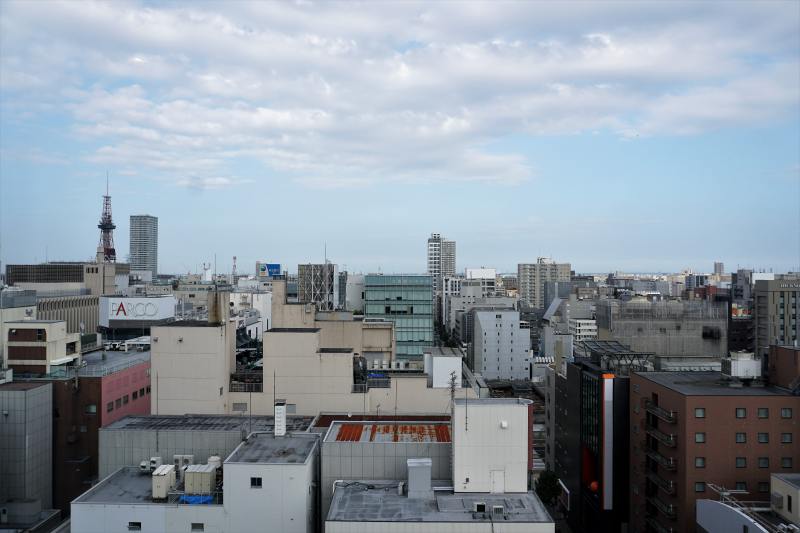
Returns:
(120,308)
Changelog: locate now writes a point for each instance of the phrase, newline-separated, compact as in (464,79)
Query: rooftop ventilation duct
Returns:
(419,478)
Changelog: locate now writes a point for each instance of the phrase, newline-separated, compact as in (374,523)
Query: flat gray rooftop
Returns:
(791,479)
(113,361)
(207,423)
(487,401)
(126,485)
(378,501)
(443,351)
(705,384)
(265,448)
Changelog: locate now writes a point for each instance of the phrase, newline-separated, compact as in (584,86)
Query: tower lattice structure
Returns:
(106,227)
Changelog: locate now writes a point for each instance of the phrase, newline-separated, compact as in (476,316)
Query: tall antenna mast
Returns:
(106,227)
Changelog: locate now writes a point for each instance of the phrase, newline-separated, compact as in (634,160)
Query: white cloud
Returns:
(350,94)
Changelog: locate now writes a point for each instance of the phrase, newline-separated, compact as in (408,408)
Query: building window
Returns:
(118,403)
(109,407)
(763,412)
(700,486)
(255,483)
(700,437)
(91,409)
(786,462)
(786,438)
(135,394)
(741,485)
(699,412)
(741,438)
(763,438)
(741,462)
(125,400)
(134,526)
(786,412)
(141,391)
(699,462)
(198,526)
(763,462)
(763,486)
(148,389)
(789,502)
(741,412)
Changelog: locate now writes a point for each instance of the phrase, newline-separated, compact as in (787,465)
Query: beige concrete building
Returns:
(37,346)
(74,310)
(316,361)
(532,277)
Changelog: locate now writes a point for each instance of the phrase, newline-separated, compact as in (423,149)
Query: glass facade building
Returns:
(406,300)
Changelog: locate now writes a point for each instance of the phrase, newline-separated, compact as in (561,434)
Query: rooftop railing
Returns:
(666,509)
(663,414)
(666,486)
(661,460)
(660,436)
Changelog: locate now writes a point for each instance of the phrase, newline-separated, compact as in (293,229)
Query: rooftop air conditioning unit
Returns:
(155,462)
(498,510)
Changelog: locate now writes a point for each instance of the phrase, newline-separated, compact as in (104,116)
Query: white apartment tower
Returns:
(441,259)
(532,277)
(144,243)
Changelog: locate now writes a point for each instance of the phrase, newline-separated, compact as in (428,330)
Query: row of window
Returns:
(119,402)
(741,438)
(741,462)
(741,412)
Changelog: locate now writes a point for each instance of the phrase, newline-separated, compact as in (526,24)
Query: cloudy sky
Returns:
(631,136)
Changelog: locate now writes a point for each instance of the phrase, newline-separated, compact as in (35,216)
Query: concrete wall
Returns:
(786,491)
(190,369)
(285,502)
(26,443)
(378,461)
(155,518)
(128,447)
(74,309)
(483,446)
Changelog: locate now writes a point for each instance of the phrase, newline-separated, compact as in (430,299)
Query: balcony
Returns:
(662,460)
(666,486)
(667,510)
(667,416)
(658,527)
(663,438)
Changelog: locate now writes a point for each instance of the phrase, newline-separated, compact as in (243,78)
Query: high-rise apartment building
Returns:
(441,259)
(719,268)
(775,313)
(144,243)
(532,277)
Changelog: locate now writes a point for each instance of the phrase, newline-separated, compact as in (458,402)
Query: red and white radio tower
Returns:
(107,226)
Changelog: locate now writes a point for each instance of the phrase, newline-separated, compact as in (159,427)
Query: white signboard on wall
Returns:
(121,308)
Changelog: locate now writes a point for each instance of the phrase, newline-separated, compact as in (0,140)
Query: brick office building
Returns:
(107,387)
(692,429)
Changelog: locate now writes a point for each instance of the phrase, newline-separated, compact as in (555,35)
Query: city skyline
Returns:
(646,138)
